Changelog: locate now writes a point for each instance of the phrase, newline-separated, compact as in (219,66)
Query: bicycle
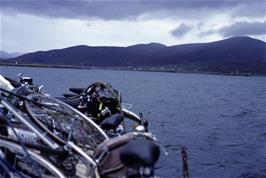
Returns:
(92,161)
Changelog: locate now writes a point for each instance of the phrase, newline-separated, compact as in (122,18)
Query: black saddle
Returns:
(112,122)
(140,152)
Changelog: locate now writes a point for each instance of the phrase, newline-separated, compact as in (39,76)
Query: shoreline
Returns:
(140,69)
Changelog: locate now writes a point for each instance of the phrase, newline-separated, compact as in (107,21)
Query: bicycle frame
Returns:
(52,144)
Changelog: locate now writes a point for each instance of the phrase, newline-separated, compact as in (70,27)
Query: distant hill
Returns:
(6,55)
(242,54)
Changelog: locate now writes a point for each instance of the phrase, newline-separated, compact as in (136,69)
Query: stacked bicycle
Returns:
(41,136)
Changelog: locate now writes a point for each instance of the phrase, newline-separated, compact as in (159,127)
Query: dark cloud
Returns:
(243,29)
(181,30)
(117,9)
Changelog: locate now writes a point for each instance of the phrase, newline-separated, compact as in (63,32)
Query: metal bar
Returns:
(132,115)
(185,163)
(82,153)
(42,136)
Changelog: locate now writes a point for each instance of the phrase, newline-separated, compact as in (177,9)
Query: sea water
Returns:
(220,120)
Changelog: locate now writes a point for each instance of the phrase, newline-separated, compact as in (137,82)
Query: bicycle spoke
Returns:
(58,125)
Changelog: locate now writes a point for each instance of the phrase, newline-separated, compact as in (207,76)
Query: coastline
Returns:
(130,68)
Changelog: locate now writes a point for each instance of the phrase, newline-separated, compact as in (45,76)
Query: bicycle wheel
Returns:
(64,123)
(26,163)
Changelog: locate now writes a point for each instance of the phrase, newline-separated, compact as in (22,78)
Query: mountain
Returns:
(6,55)
(226,56)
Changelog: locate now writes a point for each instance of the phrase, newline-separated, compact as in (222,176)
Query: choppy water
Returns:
(220,119)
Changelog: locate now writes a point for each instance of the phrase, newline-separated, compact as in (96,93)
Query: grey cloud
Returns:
(200,24)
(181,30)
(243,29)
(256,9)
(208,32)
(88,24)
(111,9)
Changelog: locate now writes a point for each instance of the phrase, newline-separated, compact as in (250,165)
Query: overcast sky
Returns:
(31,25)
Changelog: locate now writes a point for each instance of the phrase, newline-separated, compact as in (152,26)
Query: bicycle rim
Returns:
(58,120)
